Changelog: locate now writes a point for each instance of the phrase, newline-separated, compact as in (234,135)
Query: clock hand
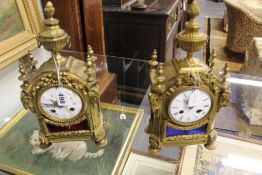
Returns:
(55,104)
(46,104)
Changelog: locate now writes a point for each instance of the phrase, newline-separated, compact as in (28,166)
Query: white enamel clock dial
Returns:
(61,103)
(190,106)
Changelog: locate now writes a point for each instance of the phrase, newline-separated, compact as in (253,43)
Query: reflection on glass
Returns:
(243,163)
(10,20)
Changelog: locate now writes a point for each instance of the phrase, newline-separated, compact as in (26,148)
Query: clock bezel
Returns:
(187,88)
(76,119)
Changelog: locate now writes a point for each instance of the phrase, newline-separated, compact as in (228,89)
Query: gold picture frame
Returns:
(18,45)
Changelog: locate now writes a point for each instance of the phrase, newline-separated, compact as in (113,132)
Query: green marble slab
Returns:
(16,151)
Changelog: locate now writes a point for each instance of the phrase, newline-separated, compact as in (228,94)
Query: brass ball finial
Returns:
(49,9)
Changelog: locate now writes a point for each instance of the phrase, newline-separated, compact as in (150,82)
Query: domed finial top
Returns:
(191,39)
(53,38)
(49,9)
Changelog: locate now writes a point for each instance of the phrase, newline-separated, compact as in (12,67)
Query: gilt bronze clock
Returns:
(186,94)
(63,91)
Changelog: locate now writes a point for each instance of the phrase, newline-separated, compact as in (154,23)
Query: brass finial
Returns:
(53,38)
(153,62)
(31,60)
(90,50)
(213,60)
(190,39)
(193,10)
(225,73)
(90,64)
(23,75)
(160,76)
(49,9)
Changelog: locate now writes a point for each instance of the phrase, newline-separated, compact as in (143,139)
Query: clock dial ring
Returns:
(192,114)
(77,116)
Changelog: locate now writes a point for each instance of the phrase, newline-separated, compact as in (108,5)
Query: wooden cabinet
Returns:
(83,21)
(136,33)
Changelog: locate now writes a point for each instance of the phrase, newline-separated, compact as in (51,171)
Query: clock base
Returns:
(101,143)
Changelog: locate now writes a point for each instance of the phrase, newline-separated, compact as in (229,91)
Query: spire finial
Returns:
(90,50)
(213,60)
(160,76)
(153,62)
(225,73)
(90,64)
(23,74)
(31,60)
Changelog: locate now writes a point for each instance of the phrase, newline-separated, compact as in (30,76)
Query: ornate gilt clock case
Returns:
(63,91)
(186,94)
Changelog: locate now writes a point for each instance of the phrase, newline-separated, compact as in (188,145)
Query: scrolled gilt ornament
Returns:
(225,98)
(186,137)
(27,101)
(155,101)
(94,97)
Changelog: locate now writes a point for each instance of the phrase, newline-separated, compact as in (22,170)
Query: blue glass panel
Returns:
(175,132)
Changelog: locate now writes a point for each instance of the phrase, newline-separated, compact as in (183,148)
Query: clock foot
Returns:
(102,143)
(153,150)
(211,146)
(44,146)
(147,130)
(44,141)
